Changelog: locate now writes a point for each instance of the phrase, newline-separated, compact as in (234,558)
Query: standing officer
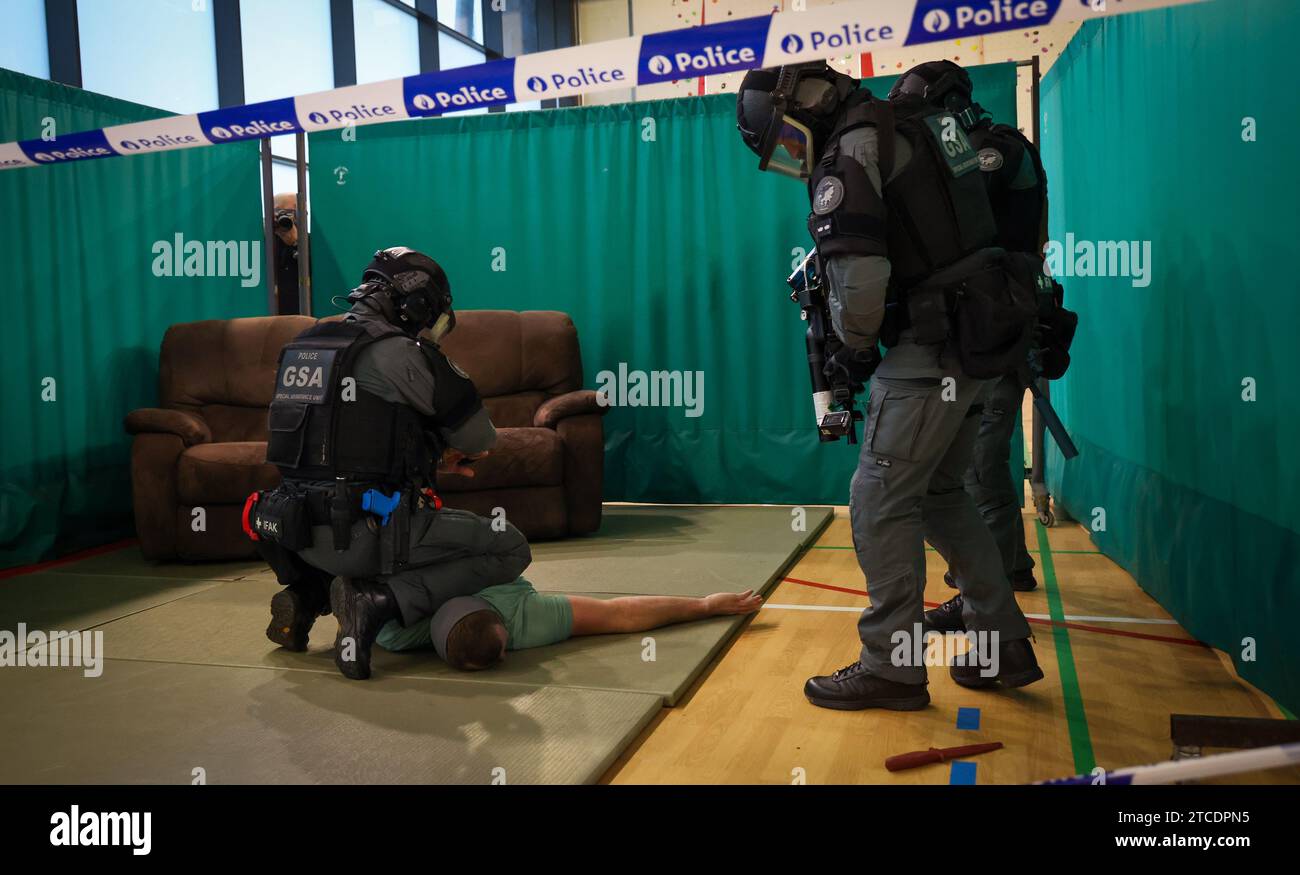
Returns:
(1017,187)
(363,412)
(901,220)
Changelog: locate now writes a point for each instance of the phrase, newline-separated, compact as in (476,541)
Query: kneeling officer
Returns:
(363,411)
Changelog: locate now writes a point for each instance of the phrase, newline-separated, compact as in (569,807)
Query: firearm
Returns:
(1050,419)
(833,406)
(1031,370)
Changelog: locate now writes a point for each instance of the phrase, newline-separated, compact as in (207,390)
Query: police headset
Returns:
(415,307)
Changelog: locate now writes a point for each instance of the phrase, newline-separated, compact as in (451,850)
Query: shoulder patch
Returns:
(455,367)
(990,159)
(828,196)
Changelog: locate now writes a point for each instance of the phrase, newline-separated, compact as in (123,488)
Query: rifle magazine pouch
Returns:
(927,312)
(1054,357)
(280,515)
(995,321)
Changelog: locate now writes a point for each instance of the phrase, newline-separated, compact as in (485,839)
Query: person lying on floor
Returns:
(472,633)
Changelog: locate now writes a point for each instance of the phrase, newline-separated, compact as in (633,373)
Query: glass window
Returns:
(22,40)
(453,53)
(465,16)
(160,53)
(288,50)
(388,41)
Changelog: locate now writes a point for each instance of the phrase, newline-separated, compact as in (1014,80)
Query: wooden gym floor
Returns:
(1117,666)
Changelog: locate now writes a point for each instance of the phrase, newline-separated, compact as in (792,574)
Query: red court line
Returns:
(1191,642)
(7,573)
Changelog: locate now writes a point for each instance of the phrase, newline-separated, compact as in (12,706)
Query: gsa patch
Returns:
(828,196)
(990,160)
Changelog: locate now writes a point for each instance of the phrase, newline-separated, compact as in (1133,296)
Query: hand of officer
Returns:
(455,462)
(854,366)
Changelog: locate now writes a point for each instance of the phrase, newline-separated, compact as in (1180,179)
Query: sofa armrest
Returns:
(155,420)
(578,403)
(584,470)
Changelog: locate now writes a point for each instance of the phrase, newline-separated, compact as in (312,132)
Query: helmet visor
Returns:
(787,148)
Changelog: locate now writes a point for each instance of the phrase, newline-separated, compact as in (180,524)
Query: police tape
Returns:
(710,49)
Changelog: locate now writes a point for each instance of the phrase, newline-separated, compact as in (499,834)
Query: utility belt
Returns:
(981,302)
(284,516)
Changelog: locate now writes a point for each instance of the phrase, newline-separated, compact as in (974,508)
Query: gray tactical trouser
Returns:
(908,488)
(453,553)
(991,480)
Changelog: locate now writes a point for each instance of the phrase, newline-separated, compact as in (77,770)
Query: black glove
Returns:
(852,366)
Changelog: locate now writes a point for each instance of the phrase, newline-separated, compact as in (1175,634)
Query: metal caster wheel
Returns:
(1047,518)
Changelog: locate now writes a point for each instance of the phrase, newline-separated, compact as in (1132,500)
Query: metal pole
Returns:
(304,239)
(268,235)
(1038,459)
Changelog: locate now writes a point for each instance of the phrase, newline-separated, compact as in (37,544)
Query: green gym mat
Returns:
(677,550)
(145,722)
(189,668)
(226,625)
(66,600)
(128,561)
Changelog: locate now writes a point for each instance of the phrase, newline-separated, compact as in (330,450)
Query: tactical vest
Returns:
(325,427)
(1019,213)
(933,213)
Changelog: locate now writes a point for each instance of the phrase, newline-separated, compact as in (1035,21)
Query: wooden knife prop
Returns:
(915,758)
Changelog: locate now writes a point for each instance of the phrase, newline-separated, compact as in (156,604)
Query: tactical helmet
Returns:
(417,287)
(792,107)
(942,84)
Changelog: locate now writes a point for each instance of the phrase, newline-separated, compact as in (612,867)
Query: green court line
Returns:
(1080,739)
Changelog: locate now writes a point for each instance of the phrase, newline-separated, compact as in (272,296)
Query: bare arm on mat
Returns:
(639,613)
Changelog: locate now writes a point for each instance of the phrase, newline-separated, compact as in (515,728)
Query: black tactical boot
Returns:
(853,688)
(945,618)
(1024,580)
(293,611)
(1017,667)
(950,580)
(362,607)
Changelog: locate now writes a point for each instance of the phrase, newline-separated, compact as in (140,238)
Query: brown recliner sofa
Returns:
(205,446)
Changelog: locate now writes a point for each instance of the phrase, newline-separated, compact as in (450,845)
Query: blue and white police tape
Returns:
(740,44)
(1193,769)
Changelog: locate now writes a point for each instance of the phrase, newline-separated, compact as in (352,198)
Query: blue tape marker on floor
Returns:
(968,718)
(962,773)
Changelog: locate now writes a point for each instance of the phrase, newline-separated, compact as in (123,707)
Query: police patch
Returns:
(455,367)
(828,196)
(990,160)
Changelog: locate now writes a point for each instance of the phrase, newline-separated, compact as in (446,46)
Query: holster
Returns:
(395,537)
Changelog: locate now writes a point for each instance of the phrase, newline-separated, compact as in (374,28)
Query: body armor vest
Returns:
(1019,212)
(326,427)
(934,212)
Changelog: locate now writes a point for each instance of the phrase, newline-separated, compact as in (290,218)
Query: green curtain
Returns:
(84,308)
(650,225)
(1146,122)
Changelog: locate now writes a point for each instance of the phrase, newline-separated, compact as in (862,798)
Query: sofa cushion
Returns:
(223,473)
(521,457)
(505,352)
